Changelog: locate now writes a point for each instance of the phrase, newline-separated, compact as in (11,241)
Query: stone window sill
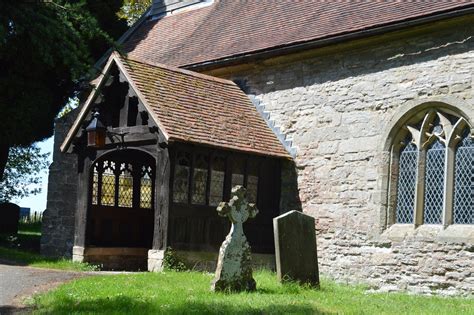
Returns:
(455,233)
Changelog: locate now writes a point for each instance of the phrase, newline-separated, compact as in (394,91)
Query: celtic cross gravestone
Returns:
(234,270)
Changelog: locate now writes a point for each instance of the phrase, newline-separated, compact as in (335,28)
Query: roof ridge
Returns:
(179,70)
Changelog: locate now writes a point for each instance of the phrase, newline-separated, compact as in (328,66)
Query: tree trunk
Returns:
(4,148)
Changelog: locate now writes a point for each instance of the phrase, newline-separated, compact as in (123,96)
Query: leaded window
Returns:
(201,165)
(116,182)
(216,194)
(206,178)
(464,180)
(238,171)
(146,187)
(252,182)
(435,174)
(434,183)
(181,177)
(107,197)
(406,183)
(125,188)
(95,186)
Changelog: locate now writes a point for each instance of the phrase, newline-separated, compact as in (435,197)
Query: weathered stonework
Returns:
(58,219)
(234,268)
(336,107)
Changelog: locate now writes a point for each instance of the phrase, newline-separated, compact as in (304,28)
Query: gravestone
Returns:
(9,217)
(234,270)
(295,248)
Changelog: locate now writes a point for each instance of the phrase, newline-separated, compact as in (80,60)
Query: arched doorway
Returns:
(121,202)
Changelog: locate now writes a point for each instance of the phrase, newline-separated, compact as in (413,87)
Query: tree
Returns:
(21,176)
(132,10)
(47,49)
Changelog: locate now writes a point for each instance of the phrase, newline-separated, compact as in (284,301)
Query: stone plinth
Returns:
(295,248)
(155,260)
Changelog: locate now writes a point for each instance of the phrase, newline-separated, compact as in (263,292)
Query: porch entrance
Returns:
(121,209)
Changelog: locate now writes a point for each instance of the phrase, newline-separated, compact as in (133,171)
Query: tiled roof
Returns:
(196,108)
(229,27)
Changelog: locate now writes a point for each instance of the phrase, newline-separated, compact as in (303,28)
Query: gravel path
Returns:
(17,282)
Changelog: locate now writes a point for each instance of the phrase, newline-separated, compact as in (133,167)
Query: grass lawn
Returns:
(23,249)
(35,260)
(188,293)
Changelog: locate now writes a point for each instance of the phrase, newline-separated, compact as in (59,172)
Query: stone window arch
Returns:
(431,174)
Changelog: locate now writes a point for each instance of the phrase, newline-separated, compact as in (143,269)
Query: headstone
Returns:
(295,248)
(234,270)
(9,217)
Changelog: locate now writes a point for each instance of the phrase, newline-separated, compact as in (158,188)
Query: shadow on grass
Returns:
(126,305)
(7,310)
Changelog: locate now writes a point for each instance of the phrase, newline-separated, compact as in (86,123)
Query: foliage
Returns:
(35,260)
(188,293)
(172,262)
(47,49)
(132,10)
(21,177)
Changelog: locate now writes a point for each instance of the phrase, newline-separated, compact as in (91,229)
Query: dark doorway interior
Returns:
(121,198)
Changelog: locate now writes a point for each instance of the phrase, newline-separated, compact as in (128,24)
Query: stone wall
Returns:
(57,236)
(336,107)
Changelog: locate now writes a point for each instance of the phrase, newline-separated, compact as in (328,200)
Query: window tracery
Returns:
(434,178)
(115,182)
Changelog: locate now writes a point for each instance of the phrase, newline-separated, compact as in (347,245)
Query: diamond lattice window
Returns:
(406,184)
(420,198)
(434,183)
(95,186)
(108,184)
(125,188)
(201,166)
(216,194)
(181,177)
(146,188)
(118,183)
(252,182)
(464,181)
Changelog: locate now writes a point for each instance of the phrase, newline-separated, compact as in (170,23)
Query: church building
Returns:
(360,114)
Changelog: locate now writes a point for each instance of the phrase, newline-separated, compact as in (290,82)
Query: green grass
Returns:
(35,260)
(188,293)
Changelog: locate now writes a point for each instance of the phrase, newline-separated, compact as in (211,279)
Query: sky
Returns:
(37,203)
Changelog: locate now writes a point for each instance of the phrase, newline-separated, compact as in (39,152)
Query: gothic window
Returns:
(146,187)
(181,177)
(464,180)
(201,166)
(125,186)
(107,197)
(434,183)
(433,170)
(95,185)
(116,182)
(406,182)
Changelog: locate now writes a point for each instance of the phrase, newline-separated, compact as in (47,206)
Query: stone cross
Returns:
(234,270)
(295,248)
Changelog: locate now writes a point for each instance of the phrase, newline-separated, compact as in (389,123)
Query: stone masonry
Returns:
(58,219)
(335,107)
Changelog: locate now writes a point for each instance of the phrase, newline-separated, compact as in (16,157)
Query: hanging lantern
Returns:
(96,132)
